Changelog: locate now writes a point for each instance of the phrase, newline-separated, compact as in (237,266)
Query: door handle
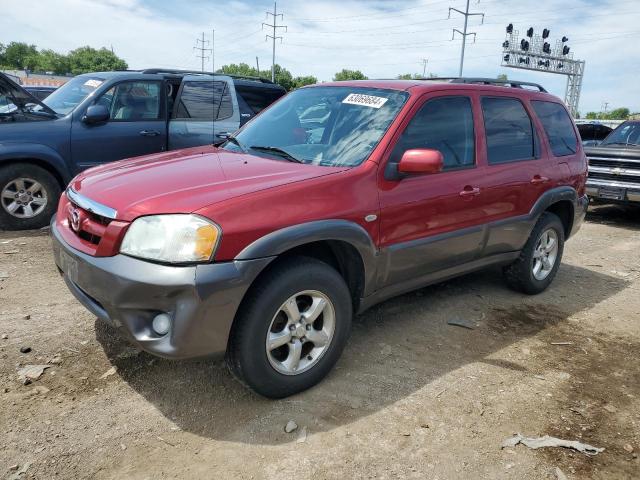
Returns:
(470,191)
(537,179)
(149,133)
(223,134)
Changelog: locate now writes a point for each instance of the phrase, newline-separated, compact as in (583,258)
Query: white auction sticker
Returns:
(93,83)
(365,100)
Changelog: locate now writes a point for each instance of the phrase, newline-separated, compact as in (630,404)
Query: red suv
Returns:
(333,199)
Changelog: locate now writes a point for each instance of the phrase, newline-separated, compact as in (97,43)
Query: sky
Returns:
(382,38)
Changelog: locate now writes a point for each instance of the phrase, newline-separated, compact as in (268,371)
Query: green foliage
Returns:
(50,61)
(87,59)
(346,74)
(621,113)
(282,75)
(241,69)
(18,55)
(304,80)
(503,77)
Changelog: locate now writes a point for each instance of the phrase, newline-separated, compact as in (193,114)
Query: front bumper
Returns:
(128,293)
(619,192)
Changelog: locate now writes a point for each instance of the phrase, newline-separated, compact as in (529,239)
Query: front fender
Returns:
(12,151)
(280,241)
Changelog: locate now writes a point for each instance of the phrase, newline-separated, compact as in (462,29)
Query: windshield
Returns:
(71,94)
(332,126)
(626,134)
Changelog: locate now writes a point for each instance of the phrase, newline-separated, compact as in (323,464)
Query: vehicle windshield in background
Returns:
(626,134)
(71,94)
(331,126)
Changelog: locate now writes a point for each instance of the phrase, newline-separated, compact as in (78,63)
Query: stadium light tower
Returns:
(535,52)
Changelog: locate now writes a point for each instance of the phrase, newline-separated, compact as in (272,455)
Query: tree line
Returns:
(621,113)
(22,56)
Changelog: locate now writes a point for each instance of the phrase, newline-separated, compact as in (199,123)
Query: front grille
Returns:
(613,163)
(614,177)
(91,226)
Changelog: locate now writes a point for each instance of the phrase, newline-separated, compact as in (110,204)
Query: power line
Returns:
(201,47)
(348,18)
(273,37)
(464,33)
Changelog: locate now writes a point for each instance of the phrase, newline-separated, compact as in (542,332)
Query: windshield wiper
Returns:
(277,151)
(235,141)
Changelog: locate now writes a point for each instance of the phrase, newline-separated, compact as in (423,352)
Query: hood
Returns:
(186,180)
(19,94)
(613,151)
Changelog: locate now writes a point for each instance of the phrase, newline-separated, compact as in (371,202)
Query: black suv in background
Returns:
(592,133)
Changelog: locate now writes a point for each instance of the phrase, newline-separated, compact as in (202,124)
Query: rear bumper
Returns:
(128,293)
(579,213)
(619,192)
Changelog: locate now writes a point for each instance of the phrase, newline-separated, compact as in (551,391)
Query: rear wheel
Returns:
(28,196)
(291,329)
(540,258)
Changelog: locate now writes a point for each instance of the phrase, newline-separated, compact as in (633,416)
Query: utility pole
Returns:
(464,33)
(274,37)
(257,65)
(605,105)
(201,46)
(424,68)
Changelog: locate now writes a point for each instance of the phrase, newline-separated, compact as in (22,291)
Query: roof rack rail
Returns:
(198,72)
(490,81)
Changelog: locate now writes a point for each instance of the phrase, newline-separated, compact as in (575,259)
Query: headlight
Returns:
(171,238)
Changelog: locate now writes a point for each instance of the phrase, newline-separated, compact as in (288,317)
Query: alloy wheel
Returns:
(545,254)
(300,332)
(23,198)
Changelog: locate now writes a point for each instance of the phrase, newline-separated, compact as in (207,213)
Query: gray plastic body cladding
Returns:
(418,263)
(287,238)
(128,293)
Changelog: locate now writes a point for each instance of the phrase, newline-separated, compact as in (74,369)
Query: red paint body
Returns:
(250,196)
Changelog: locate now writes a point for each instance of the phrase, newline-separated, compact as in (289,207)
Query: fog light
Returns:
(161,323)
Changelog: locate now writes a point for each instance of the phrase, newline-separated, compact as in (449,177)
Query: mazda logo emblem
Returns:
(75,219)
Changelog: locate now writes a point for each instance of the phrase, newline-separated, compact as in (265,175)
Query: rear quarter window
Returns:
(558,126)
(258,98)
(509,130)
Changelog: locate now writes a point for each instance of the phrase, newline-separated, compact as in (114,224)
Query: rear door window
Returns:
(204,100)
(509,130)
(558,127)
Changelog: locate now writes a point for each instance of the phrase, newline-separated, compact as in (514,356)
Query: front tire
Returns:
(28,196)
(291,329)
(540,258)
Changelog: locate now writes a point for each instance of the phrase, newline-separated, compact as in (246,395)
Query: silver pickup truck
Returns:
(614,166)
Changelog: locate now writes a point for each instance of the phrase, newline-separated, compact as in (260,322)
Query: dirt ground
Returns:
(412,397)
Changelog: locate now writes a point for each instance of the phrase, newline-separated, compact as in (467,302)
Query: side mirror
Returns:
(96,114)
(421,161)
